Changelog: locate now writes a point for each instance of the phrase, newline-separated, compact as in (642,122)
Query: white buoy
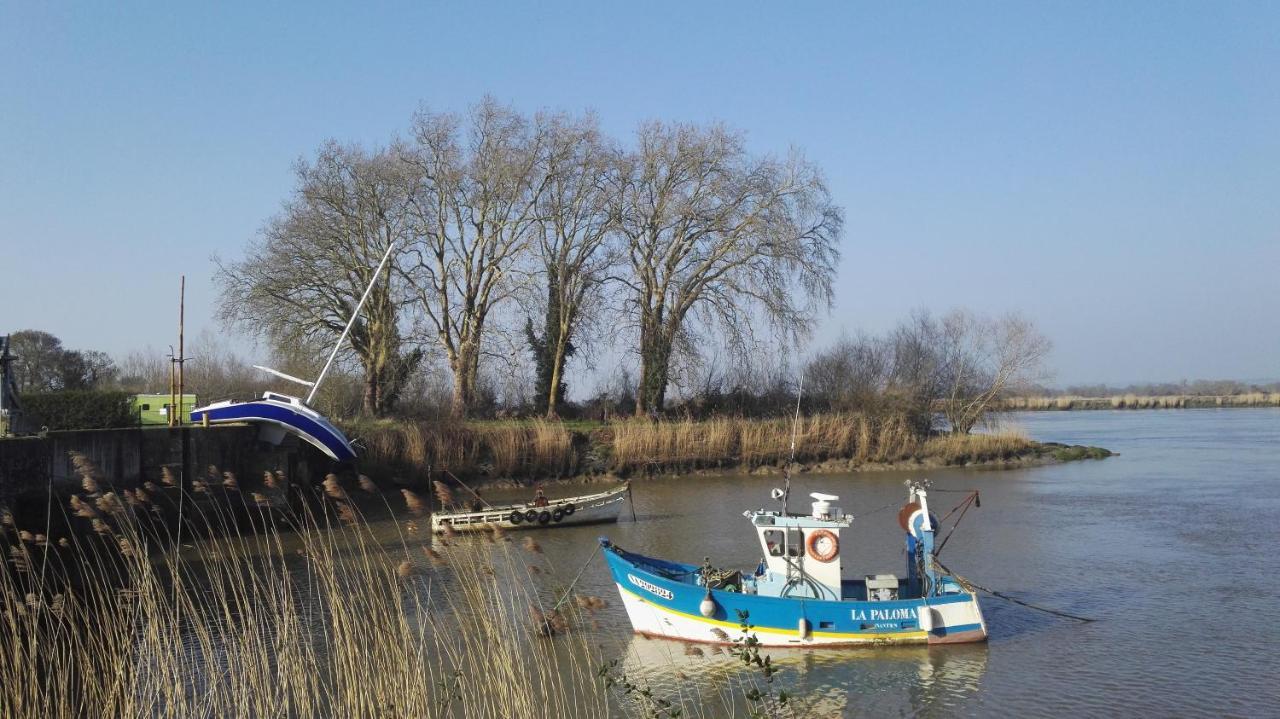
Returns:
(708,606)
(805,628)
(926,618)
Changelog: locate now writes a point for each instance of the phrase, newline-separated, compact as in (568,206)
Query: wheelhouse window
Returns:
(773,542)
(795,542)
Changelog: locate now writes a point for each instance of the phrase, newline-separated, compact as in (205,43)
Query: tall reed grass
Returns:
(533,449)
(288,605)
(641,444)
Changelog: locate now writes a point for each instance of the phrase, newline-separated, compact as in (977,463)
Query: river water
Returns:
(1169,546)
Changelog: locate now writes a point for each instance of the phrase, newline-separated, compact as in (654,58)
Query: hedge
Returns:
(78,409)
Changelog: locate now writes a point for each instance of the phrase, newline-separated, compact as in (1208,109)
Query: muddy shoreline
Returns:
(1037,455)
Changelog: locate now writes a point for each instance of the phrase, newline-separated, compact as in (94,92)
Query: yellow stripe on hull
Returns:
(917,635)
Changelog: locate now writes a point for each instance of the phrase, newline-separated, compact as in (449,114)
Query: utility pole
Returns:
(176,380)
(182,308)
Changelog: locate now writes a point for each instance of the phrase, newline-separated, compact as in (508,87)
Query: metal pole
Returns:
(182,310)
(316,387)
(169,413)
(795,428)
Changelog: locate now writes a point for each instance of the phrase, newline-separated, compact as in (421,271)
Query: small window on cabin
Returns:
(773,539)
(146,407)
(795,542)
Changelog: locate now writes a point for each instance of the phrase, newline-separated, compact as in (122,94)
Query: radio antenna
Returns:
(795,429)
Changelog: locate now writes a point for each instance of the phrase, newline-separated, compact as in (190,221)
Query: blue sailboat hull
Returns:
(286,413)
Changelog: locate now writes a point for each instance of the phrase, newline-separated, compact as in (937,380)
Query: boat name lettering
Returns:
(650,588)
(883,615)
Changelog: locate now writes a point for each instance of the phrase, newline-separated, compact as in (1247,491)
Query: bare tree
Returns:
(711,230)
(980,359)
(571,246)
(851,375)
(474,209)
(300,281)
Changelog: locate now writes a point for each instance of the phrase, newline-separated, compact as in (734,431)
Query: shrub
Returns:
(79,409)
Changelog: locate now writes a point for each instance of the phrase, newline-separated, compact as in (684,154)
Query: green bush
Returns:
(79,409)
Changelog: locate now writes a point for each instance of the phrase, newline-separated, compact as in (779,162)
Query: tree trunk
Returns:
(465,366)
(655,360)
(557,369)
(371,405)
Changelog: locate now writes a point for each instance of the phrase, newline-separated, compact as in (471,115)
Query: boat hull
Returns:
(587,509)
(310,426)
(660,606)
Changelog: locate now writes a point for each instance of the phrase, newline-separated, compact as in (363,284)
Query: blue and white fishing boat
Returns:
(277,414)
(804,593)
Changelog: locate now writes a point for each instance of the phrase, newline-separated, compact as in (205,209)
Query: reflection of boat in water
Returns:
(277,414)
(803,593)
(584,509)
(849,681)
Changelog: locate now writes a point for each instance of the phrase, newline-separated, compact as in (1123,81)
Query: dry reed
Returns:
(305,618)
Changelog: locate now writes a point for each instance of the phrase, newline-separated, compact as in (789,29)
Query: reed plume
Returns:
(80,508)
(414,503)
(333,487)
(443,494)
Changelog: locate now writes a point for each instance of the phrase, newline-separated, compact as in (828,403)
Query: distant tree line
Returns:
(1194,388)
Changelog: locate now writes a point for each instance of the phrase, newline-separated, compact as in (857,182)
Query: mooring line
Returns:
(574,583)
(1007,598)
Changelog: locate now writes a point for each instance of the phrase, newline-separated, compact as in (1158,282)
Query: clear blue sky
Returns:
(1110,169)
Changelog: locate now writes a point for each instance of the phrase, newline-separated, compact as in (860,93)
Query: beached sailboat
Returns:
(804,592)
(277,414)
(584,509)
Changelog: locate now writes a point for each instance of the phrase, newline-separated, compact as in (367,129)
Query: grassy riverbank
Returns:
(1134,401)
(541,449)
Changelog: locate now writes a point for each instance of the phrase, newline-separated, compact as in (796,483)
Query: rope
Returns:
(1000,595)
(968,502)
(574,583)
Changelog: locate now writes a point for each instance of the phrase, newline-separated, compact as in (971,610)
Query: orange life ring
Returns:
(811,544)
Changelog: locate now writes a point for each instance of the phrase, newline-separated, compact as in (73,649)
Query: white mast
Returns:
(315,387)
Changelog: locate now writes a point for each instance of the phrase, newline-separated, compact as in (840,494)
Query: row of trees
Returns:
(958,364)
(507,225)
(42,364)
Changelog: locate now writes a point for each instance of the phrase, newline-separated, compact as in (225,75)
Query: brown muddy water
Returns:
(1170,546)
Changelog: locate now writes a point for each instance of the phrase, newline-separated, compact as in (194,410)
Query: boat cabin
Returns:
(802,557)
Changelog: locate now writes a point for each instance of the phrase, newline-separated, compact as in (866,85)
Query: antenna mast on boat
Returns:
(795,428)
(316,386)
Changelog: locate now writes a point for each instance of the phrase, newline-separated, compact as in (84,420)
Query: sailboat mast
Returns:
(316,387)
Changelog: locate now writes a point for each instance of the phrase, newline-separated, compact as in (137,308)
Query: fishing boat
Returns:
(279,414)
(804,593)
(585,509)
